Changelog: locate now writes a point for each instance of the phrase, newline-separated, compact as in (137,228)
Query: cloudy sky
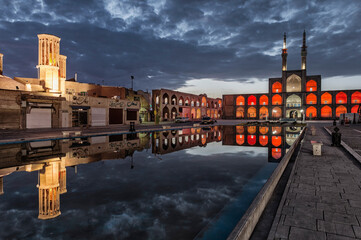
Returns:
(197,46)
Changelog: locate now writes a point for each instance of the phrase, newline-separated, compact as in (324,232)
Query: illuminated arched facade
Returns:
(296,95)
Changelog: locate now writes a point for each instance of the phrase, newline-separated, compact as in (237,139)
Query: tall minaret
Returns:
(284,54)
(304,51)
(49,191)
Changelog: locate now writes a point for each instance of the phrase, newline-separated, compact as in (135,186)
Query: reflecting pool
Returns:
(193,183)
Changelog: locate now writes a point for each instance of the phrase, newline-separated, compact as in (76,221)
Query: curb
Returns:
(347,147)
(245,227)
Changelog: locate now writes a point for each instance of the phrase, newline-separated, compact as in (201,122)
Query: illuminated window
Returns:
(277,87)
(311,99)
(276,112)
(311,86)
(263,130)
(276,130)
(252,100)
(252,113)
(251,139)
(326,112)
(276,141)
(240,139)
(354,109)
(293,83)
(240,112)
(341,98)
(293,101)
(311,112)
(263,140)
(204,101)
(251,129)
(276,153)
(239,129)
(276,100)
(263,112)
(356,97)
(263,100)
(326,98)
(240,101)
(340,109)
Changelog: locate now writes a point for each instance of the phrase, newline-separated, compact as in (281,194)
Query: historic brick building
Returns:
(293,95)
(169,104)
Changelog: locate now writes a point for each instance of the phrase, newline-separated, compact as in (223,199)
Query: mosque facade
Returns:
(293,95)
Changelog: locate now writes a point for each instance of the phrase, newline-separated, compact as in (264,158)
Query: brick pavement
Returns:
(322,199)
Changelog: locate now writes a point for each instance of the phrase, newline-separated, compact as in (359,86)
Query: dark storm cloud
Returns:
(163,43)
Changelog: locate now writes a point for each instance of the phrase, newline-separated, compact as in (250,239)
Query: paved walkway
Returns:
(322,199)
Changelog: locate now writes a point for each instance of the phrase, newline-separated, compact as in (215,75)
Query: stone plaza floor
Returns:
(322,199)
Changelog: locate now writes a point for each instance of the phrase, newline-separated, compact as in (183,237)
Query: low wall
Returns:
(248,222)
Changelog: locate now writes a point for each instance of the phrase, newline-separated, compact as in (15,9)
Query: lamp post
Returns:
(303,116)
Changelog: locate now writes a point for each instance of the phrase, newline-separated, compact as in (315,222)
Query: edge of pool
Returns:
(245,226)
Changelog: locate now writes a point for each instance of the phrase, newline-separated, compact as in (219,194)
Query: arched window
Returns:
(326,112)
(293,83)
(341,98)
(263,140)
(219,103)
(157,100)
(311,99)
(276,153)
(199,113)
(192,103)
(311,86)
(276,141)
(251,129)
(293,101)
(251,139)
(240,139)
(181,100)
(165,98)
(263,100)
(239,129)
(174,100)
(356,97)
(165,113)
(240,112)
(326,98)
(174,113)
(193,113)
(276,130)
(252,113)
(340,109)
(251,100)
(263,112)
(354,109)
(311,112)
(197,103)
(276,100)
(240,101)
(277,87)
(263,130)
(276,112)
(204,101)
(186,102)
(208,113)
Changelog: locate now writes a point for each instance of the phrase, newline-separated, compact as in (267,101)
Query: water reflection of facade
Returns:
(276,138)
(294,95)
(50,159)
(176,140)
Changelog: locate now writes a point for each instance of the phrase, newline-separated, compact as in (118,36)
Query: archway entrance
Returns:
(293,114)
